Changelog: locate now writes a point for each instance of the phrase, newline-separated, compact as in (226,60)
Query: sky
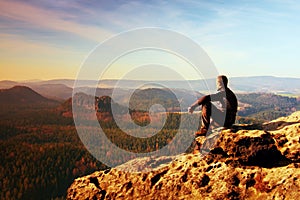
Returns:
(41,39)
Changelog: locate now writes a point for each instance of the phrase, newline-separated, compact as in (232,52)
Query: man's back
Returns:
(227,98)
(231,101)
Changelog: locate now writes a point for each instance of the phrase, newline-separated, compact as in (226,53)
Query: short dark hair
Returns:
(224,80)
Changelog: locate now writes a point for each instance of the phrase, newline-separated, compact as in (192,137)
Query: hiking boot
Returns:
(197,146)
(196,149)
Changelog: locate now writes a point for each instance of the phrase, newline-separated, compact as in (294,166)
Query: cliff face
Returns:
(244,164)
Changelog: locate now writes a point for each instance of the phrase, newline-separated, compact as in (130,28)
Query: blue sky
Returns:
(50,39)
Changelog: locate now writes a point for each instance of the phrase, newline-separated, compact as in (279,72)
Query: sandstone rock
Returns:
(286,132)
(247,164)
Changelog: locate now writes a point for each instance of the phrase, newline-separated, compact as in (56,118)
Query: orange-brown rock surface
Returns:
(243,164)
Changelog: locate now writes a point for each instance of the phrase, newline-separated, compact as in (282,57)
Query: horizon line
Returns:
(115,79)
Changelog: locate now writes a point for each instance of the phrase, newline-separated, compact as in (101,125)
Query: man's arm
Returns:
(199,102)
(205,99)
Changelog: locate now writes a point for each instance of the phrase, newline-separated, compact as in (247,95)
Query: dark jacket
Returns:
(226,97)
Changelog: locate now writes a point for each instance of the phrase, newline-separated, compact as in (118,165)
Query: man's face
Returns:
(219,84)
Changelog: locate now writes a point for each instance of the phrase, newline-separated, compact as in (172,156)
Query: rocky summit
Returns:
(258,163)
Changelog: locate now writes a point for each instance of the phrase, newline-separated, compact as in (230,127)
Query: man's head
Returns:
(222,82)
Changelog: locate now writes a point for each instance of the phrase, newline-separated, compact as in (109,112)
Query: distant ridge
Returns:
(53,91)
(22,95)
(266,84)
(61,88)
(5,84)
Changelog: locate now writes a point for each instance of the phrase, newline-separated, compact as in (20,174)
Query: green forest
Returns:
(40,154)
(264,107)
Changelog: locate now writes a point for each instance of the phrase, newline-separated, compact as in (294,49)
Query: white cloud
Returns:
(49,19)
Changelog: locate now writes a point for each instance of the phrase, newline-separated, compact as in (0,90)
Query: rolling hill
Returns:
(53,91)
(22,96)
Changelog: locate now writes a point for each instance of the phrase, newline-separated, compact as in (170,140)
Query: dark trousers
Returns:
(221,118)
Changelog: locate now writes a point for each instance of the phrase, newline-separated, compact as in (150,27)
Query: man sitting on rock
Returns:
(225,116)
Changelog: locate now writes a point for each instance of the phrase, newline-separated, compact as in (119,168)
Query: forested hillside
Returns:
(41,153)
(266,106)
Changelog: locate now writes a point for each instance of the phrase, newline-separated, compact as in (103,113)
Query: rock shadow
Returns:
(273,126)
(268,126)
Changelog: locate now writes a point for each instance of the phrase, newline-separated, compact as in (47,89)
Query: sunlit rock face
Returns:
(243,164)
